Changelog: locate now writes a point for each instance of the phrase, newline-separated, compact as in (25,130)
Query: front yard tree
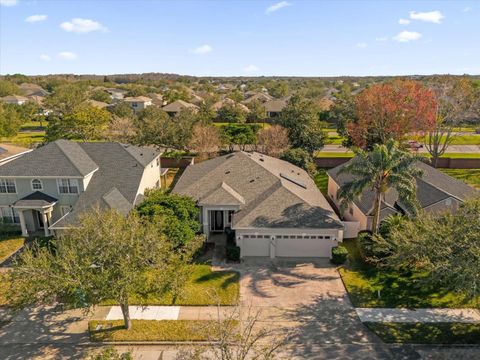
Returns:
(385,167)
(107,256)
(445,246)
(205,140)
(273,140)
(10,121)
(231,113)
(390,111)
(305,130)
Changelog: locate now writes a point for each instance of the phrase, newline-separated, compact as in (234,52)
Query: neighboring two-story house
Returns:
(46,189)
(138,103)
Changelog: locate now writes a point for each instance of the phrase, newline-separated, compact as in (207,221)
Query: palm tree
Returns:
(386,166)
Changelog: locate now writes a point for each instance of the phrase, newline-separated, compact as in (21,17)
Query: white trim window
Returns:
(67,186)
(9,215)
(7,186)
(37,184)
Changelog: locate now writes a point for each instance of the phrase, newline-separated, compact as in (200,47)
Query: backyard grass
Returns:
(330,154)
(204,287)
(26,138)
(9,245)
(4,288)
(396,289)
(152,330)
(470,176)
(171,178)
(321,180)
(467,139)
(462,155)
(427,333)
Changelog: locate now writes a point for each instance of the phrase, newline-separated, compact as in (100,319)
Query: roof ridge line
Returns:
(70,160)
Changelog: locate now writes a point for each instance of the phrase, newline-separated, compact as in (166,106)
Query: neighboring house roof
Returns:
(262,97)
(36,199)
(115,184)
(275,105)
(33,90)
(219,104)
(97,104)
(269,192)
(137,99)
(432,187)
(8,150)
(60,158)
(37,99)
(115,90)
(14,98)
(178,106)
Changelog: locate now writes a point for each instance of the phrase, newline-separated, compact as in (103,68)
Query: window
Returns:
(158,161)
(64,210)
(67,186)
(9,215)
(7,186)
(37,184)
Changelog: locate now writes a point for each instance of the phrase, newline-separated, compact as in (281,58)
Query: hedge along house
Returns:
(47,189)
(436,192)
(274,207)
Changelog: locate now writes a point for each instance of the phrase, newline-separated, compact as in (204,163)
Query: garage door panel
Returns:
(256,247)
(303,247)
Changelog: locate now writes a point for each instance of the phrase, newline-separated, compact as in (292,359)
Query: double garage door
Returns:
(287,246)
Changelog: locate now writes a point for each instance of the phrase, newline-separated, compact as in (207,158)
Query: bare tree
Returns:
(121,129)
(205,140)
(273,140)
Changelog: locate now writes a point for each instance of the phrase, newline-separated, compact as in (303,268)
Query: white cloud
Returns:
(79,25)
(66,55)
(381,38)
(8,2)
(406,36)
(36,18)
(204,49)
(362,45)
(250,68)
(277,6)
(45,57)
(404,21)
(430,16)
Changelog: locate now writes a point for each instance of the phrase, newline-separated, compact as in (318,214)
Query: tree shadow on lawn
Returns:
(227,278)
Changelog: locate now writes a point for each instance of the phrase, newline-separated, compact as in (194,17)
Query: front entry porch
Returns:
(35,213)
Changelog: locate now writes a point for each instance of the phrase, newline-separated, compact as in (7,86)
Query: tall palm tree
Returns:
(386,166)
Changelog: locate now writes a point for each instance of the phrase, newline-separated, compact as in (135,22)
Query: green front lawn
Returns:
(321,180)
(470,176)
(462,155)
(9,245)
(331,154)
(396,289)
(203,288)
(5,283)
(427,333)
(152,330)
(25,138)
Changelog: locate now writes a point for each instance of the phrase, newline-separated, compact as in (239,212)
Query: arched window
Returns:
(37,184)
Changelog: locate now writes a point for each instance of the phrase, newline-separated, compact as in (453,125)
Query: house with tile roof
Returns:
(48,188)
(436,192)
(274,207)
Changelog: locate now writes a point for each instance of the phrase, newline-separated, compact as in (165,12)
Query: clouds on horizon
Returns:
(435,17)
(67,55)
(36,18)
(277,6)
(8,2)
(82,26)
(203,49)
(406,36)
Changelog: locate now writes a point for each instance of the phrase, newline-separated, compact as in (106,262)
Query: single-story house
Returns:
(219,104)
(256,96)
(138,103)
(116,94)
(273,108)
(436,192)
(274,207)
(175,107)
(46,189)
(14,99)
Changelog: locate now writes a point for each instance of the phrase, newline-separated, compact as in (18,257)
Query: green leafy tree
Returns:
(305,130)
(239,134)
(177,214)
(86,123)
(67,98)
(122,110)
(278,89)
(106,257)
(257,112)
(8,88)
(100,95)
(445,246)
(232,113)
(10,121)
(27,111)
(300,158)
(385,167)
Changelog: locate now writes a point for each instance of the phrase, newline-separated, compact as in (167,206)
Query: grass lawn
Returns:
(328,154)
(25,138)
(418,333)
(4,288)
(152,330)
(462,155)
(321,180)
(9,245)
(470,176)
(172,177)
(201,289)
(467,139)
(396,289)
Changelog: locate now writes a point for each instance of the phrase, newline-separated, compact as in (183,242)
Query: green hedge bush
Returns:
(233,253)
(339,255)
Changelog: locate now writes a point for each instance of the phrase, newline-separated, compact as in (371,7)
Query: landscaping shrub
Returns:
(339,255)
(373,248)
(7,229)
(233,253)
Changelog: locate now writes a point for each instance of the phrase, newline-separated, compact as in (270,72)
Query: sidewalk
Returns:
(402,315)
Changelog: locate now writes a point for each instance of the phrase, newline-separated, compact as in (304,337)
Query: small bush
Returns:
(7,229)
(373,248)
(339,255)
(233,253)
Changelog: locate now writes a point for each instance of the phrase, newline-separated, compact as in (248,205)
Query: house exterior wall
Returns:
(450,204)
(151,177)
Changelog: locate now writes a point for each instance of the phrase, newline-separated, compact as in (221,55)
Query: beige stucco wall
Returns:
(151,174)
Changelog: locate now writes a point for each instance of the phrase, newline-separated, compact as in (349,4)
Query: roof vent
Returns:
(227,172)
(295,181)
(261,159)
(252,180)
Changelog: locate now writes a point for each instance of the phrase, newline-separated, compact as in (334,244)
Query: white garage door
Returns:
(256,246)
(303,246)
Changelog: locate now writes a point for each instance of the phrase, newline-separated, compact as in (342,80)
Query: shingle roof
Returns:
(137,99)
(269,199)
(35,199)
(432,187)
(274,105)
(14,97)
(179,105)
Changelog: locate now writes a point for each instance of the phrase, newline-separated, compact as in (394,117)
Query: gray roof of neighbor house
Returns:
(432,187)
(262,97)
(227,101)
(269,192)
(29,89)
(179,105)
(137,99)
(35,199)
(14,98)
(274,105)
(115,184)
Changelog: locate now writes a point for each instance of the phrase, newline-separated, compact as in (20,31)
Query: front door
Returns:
(40,220)
(216,221)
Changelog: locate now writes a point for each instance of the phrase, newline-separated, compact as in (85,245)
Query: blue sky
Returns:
(247,37)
